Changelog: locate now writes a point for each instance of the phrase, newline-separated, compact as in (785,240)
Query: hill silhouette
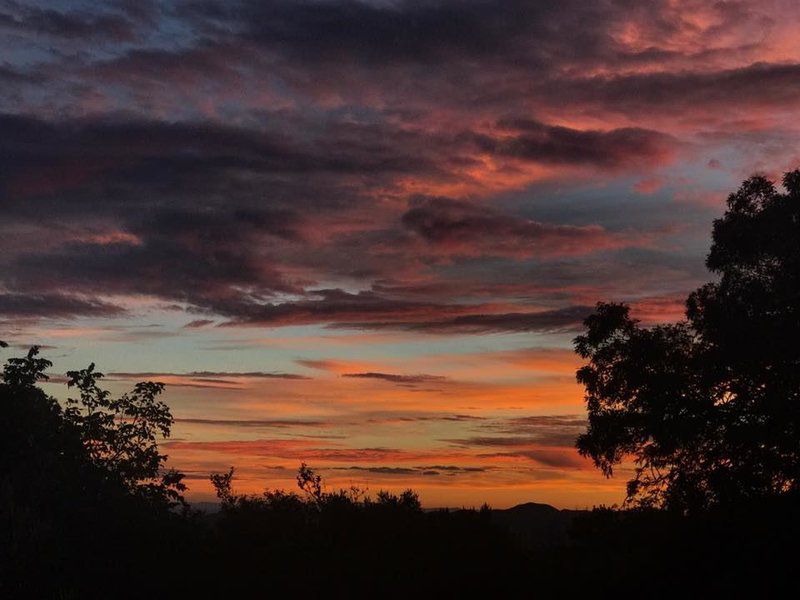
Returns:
(536,525)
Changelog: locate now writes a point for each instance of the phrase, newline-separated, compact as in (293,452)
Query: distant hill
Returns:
(206,507)
(537,525)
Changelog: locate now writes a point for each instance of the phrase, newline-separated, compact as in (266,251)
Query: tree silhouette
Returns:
(27,371)
(84,499)
(121,435)
(310,482)
(708,408)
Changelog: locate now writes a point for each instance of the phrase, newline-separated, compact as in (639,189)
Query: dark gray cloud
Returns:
(758,85)
(545,430)
(558,320)
(405,380)
(407,31)
(210,375)
(335,306)
(54,305)
(11,76)
(542,143)
(253,423)
(535,34)
(380,470)
(546,439)
(72,25)
(198,323)
(545,456)
(462,228)
(450,470)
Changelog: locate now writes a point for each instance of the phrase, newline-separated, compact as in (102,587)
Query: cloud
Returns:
(533,32)
(545,439)
(322,365)
(542,430)
(419,418)
(12,76)
(464,229)
(550,457)
(368,310)
(248,374)
(299,449)
(538,142)
(758,85)
(210,375)
(72,25)
(334,306)
(296,163)
(450,470)
(71,154)
(198,323)
(557,320)
(253,423)
(381,470)
(205,239)
(55,305)
(406,380)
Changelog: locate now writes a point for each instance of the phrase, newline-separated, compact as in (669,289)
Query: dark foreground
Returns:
(87,510)
(338,544)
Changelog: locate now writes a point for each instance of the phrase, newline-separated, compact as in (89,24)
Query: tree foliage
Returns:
(26,371)
(81,508)
(121,435)
(708,408)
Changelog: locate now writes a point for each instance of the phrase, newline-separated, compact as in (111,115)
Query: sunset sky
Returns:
(363,234)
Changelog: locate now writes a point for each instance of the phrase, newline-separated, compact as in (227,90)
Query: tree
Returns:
(84,501)
(708,408)
(121,435)
(27,371)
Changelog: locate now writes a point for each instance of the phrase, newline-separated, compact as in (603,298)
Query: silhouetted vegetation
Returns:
(707,408)
(90,511)
(82,504)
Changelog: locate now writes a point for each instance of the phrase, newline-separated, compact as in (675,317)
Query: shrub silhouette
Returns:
(326,541)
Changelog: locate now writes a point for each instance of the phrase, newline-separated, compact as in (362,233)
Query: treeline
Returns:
(89,510)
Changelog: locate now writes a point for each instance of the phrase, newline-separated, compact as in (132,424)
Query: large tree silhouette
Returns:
(85,499)
(708,408)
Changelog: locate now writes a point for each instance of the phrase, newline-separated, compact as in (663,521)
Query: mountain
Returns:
(537,525)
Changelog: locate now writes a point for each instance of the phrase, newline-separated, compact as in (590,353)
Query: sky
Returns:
(362,235)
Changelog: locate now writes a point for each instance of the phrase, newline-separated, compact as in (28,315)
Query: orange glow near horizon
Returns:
(477,427)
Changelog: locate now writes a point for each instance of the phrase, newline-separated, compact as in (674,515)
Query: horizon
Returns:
(363,235)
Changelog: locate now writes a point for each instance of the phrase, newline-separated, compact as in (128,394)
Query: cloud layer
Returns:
(280,207)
